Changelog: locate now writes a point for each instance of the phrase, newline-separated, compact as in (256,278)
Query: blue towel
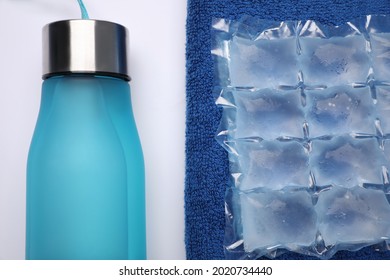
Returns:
(207,166)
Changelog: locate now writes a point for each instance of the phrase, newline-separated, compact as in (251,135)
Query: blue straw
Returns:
(84,13)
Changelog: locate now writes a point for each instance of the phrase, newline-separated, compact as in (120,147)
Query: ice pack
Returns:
(306,123)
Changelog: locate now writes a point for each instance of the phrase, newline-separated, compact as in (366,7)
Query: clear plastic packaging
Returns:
(306,110)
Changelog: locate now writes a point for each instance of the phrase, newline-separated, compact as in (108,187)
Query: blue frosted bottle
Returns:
(85,173)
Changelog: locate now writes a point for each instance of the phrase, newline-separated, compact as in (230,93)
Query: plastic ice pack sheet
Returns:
(306,122)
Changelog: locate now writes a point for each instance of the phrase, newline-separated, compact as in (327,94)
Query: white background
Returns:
(157,43)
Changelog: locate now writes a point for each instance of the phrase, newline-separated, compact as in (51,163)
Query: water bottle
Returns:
(85,171)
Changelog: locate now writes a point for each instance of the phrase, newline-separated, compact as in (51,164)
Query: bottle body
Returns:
(85,174)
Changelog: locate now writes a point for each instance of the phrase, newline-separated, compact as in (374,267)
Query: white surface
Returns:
(157,43)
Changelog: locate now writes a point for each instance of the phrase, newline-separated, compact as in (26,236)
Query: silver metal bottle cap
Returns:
(85,47)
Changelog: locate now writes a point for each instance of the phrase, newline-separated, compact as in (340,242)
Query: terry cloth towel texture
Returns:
(207,167)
